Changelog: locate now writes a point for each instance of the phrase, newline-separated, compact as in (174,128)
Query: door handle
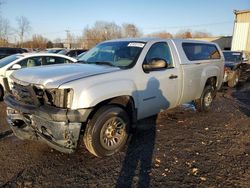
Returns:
(173,76)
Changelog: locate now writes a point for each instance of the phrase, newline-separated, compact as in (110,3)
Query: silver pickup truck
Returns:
(112,86)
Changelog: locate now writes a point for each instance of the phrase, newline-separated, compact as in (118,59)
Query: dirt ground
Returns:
(181,148)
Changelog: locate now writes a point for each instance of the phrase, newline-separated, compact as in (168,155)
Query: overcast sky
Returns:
(52,17)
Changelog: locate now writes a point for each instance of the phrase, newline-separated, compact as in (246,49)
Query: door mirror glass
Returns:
(155,64)
(16,67)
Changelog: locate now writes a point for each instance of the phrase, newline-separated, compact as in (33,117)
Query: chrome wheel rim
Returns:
(208,99)
(113,133)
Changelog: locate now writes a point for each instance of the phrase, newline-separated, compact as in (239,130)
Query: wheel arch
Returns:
(125,102)
(212,81)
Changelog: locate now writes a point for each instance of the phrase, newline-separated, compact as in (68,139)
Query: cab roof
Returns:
(146,40)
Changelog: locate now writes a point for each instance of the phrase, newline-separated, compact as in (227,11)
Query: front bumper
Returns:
(59,128)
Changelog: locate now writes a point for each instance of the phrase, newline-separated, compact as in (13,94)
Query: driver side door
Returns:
(161,87)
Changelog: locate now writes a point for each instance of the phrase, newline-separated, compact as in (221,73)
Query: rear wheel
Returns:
(235,79)
(204,103)
(107,132)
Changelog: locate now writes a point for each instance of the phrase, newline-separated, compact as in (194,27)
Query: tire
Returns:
(1,93)
(204,103)
(235,79)
(107,132)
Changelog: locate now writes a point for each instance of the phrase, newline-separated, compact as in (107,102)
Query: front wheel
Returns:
(107,132)
(204,103)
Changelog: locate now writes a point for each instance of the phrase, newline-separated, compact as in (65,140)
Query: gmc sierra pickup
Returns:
(112,86)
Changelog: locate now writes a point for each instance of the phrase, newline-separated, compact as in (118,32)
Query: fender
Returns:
(98,92)
(208,72)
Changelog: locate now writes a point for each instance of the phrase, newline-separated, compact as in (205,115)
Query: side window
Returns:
(72,54)
(31,62)
(160,50)
(199,51)
(55,60)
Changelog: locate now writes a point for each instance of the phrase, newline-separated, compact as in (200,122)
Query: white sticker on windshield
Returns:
(136,44)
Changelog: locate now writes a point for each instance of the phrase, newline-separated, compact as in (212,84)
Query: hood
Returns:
(232,64)
(53,76)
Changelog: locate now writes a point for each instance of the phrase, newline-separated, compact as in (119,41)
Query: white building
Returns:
(241,33)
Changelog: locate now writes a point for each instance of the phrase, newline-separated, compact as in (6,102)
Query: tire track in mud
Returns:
(240,97)
(241,104)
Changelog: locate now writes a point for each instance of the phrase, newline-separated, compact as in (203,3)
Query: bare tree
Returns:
(201,34)
(130,31)
(162,34)
(58,43)
(5,30)
(57,40)
(184,34)
(38,41)
(79,40)
(23,27)
(49,44)
(99,32)
(73,41)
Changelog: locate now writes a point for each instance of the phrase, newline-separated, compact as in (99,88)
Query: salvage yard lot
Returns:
(186,149)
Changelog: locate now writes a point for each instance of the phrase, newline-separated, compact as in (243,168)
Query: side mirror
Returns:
(155,64)
(16,67)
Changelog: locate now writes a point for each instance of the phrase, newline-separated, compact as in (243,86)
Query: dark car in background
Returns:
(235,68)
(54,50)
(72,53)
(6,51)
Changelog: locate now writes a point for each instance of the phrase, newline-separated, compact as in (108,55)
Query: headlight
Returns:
(61,98)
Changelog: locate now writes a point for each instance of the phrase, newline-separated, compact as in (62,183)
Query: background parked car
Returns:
(4,51)
(235,68)
(54,50)
(82,54)
(18,61)
(72,53)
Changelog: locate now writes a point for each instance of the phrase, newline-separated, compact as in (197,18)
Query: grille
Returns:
(24,94)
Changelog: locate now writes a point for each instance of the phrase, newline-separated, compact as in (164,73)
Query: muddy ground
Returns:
(184,149)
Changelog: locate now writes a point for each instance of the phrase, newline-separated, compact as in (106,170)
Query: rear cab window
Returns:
(200,51)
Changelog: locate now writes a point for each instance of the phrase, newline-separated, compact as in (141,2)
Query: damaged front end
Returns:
(35,113)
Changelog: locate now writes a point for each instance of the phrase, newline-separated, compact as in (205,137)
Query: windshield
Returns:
(81,55)
(118,54)
(233,56)
(54,50)
(63,52)
(5,61)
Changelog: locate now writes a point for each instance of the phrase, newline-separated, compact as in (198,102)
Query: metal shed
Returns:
(241,33)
